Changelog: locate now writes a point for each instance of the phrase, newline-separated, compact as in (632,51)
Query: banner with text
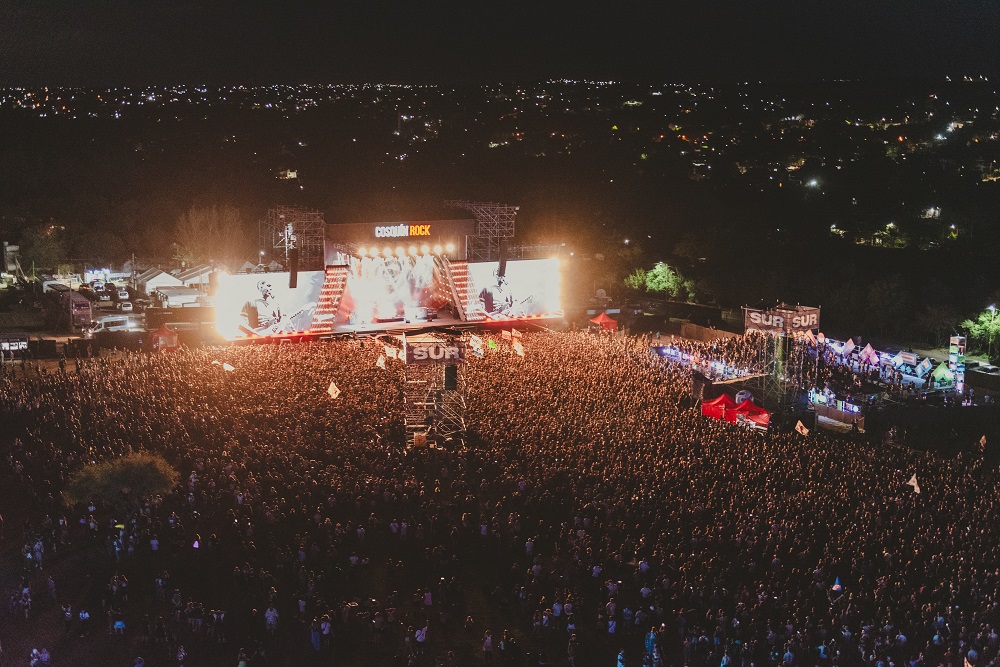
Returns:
(778,320)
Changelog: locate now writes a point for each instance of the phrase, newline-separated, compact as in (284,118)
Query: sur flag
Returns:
(914,484)
(518,348)
(810,337)
(333,391)
(849,346)
(381,361)
(492,344)
(506,335)
(515,333)
(475,341)
(228,367)
(801,428)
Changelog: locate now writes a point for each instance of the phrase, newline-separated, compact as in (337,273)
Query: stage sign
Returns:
(253,305)
(528,288)
(778,320)
(435,352)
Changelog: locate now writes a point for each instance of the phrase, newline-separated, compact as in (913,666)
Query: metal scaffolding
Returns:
(493,223)
(288,227)
(433,414)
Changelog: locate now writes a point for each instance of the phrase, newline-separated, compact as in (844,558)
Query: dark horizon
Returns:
(263,42)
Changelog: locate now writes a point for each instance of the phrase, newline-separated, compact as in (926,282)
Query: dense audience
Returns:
(594,518)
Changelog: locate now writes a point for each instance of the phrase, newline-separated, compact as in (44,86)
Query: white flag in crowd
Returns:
(216,363)
(515,333)
(333,391)
(475,341)
(227,367)
(381,361)
(390,352)
(849,346)
(518,348)
(914,484)
(506,334)
(801,428)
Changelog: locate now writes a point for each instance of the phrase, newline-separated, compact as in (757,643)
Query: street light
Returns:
(993,316)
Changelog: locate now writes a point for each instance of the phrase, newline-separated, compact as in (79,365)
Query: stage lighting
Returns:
(437,249)
(425,249)
(399,251)
(450,247)
(387,252)
(413,250)
(362,252)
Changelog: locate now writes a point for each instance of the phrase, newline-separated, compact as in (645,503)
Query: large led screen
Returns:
(380,289)
(262,304)
(528,288)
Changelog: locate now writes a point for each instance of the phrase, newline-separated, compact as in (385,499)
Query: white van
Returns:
(111,323)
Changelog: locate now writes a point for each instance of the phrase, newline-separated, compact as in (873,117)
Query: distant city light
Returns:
(813,183)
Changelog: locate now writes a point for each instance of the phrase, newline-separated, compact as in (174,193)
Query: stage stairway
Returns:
(461,287)
(329,299)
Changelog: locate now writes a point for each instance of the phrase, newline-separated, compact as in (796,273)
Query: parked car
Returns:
(125,306)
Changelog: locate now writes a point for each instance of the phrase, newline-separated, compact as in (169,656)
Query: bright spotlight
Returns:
(450,247)
(425,249)
(362,252)
(437,249)
(387,252)
(413,250)
(399,251)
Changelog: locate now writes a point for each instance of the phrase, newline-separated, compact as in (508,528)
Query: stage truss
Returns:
(433,414)
(289,227)
(494,222)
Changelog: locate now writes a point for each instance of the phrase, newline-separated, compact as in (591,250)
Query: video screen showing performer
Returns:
(251,305)
(529,288)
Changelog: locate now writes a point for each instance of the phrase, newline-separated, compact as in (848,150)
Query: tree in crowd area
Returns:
(984,330)
(636,280)
(217,233)
(661,278)
(123,482)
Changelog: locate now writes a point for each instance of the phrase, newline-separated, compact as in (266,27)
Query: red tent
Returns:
(717,407)
(605,322)
(754,413)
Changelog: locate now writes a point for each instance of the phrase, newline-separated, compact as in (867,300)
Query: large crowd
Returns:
(593,517)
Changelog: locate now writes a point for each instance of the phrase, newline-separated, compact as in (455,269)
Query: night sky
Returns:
(86,42)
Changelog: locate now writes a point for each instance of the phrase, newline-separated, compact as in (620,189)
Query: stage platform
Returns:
(379,328)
